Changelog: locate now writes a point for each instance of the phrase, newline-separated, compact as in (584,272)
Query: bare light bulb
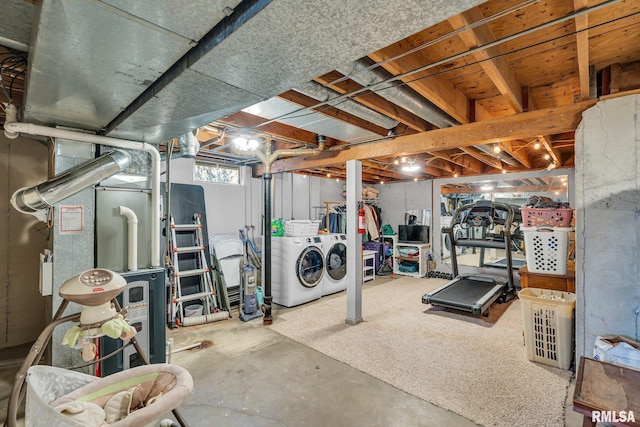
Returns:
(547,156)
(536,146)
(396,162)
(496,149)
(403,159)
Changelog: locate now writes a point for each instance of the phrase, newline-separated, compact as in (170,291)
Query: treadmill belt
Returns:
(465,291)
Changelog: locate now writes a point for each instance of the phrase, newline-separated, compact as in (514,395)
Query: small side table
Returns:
(369,265)
(605,390)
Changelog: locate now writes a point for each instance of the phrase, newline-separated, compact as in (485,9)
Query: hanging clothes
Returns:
(372,223)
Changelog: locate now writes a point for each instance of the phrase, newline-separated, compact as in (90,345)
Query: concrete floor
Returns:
(247,375)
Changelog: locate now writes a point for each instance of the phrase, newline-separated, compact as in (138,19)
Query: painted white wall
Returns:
(231,207)
(397,198)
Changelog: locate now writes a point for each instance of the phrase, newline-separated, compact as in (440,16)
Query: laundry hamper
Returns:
(548,325)
(546,249)
(48,384)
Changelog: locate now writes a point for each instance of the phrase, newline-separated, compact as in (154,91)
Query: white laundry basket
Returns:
(546,249)
(548,325)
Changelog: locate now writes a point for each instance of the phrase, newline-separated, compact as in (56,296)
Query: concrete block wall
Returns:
(607,222)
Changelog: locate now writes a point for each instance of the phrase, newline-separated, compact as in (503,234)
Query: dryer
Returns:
(334,247)
(297,269)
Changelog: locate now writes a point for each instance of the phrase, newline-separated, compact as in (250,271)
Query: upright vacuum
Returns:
(248,307)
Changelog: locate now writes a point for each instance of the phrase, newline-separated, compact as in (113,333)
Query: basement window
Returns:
(221,174)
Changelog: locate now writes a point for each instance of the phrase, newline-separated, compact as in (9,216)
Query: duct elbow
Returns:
(131,216)
(11,112)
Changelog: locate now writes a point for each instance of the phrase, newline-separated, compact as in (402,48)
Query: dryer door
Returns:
(310,267)
(337,261)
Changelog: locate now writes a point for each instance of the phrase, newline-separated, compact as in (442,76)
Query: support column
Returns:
(266,265)
(354,248)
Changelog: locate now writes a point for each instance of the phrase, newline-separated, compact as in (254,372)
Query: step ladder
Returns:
(205,292)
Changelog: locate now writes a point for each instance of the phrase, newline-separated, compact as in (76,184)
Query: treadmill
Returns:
(475,293)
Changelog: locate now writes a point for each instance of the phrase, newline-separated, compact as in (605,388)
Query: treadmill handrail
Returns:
(505,244)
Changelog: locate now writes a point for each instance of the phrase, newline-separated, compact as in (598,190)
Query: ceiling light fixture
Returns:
(410,167)
(382,182)
(396,162)
(536,146)
(551,166)
(486,187)
(245,143)
(496,149)
(547,156)
(403,159)
(504,171)
(455,175)
(328,175)
(415,179)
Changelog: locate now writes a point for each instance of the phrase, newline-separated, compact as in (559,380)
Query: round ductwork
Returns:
(46,194)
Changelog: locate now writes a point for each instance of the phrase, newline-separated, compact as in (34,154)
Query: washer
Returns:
(334,247)
(297,269)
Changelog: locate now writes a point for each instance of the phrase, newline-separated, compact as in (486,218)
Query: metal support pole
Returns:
(266,265)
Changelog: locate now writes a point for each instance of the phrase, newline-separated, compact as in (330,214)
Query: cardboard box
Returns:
(617,350)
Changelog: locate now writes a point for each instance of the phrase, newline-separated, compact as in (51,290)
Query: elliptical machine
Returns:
(248,306)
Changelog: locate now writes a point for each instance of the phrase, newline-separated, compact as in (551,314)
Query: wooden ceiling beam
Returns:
(582,47)
(374,101)
(437,89)
(496,66)
(487,160)
(460,159)
(306,101)
(520,155)
(521,126)
(277,129)
(545,141)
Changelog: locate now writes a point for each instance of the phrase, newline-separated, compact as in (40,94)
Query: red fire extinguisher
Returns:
(361,220)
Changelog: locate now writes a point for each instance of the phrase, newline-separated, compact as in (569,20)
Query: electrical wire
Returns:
(377,87)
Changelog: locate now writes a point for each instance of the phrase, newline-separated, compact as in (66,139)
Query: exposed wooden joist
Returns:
(375,102)
(582,47)
(277,129)
(457,158)
(521,126)
(437,89)
(306,101)
(496,66)
(465,189)
(487,160)
(545,141)
(520,155)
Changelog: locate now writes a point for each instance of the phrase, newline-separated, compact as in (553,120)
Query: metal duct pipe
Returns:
(32,129)
(364,72)
(321,93)
(44,195)
(189,145)
(502,156)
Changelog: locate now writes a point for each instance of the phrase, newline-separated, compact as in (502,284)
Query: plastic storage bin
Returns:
(548,325)
(536,217)
(546,249)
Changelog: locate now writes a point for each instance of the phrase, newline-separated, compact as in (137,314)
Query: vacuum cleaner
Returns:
(249,307)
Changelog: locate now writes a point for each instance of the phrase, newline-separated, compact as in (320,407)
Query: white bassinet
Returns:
(164,387)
